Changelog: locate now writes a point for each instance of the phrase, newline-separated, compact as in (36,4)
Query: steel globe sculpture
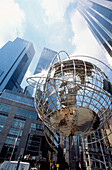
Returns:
(70,98)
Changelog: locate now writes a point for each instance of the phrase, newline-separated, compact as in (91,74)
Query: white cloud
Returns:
(12,20)
(55,8)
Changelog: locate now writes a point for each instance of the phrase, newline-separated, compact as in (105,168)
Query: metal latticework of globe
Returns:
(70,98)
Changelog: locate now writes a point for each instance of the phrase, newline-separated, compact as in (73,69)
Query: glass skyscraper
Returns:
(15,58)
(46,57)
(45,60)
(98,15)
(21,131)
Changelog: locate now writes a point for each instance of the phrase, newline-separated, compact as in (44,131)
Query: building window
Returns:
(33,145)
(5,107)
(12,140)
(26,113)
(2,121)
(18,98)
(13,80)
(18,123)
(35,126)
(102,10)
(1,127)
(15,132)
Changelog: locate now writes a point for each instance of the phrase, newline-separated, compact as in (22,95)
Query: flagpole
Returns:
(15,142)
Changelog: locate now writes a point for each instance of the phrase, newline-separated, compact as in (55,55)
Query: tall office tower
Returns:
(45,60)
(46,57)
(98,15)
(15,58)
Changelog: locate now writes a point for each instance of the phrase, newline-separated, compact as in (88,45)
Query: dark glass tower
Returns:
(98,15)
(15,58)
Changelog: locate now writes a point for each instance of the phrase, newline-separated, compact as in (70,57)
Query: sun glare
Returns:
(44,72)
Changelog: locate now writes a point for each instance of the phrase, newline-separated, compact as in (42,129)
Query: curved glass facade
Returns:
(98,15)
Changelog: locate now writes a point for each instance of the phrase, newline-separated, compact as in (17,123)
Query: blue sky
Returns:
(53,24)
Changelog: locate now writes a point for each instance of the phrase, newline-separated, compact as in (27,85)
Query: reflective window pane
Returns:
(35,126)
(12,140)
(3,119)
(26,113)
(18,123)
(15,132)
(5,107)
